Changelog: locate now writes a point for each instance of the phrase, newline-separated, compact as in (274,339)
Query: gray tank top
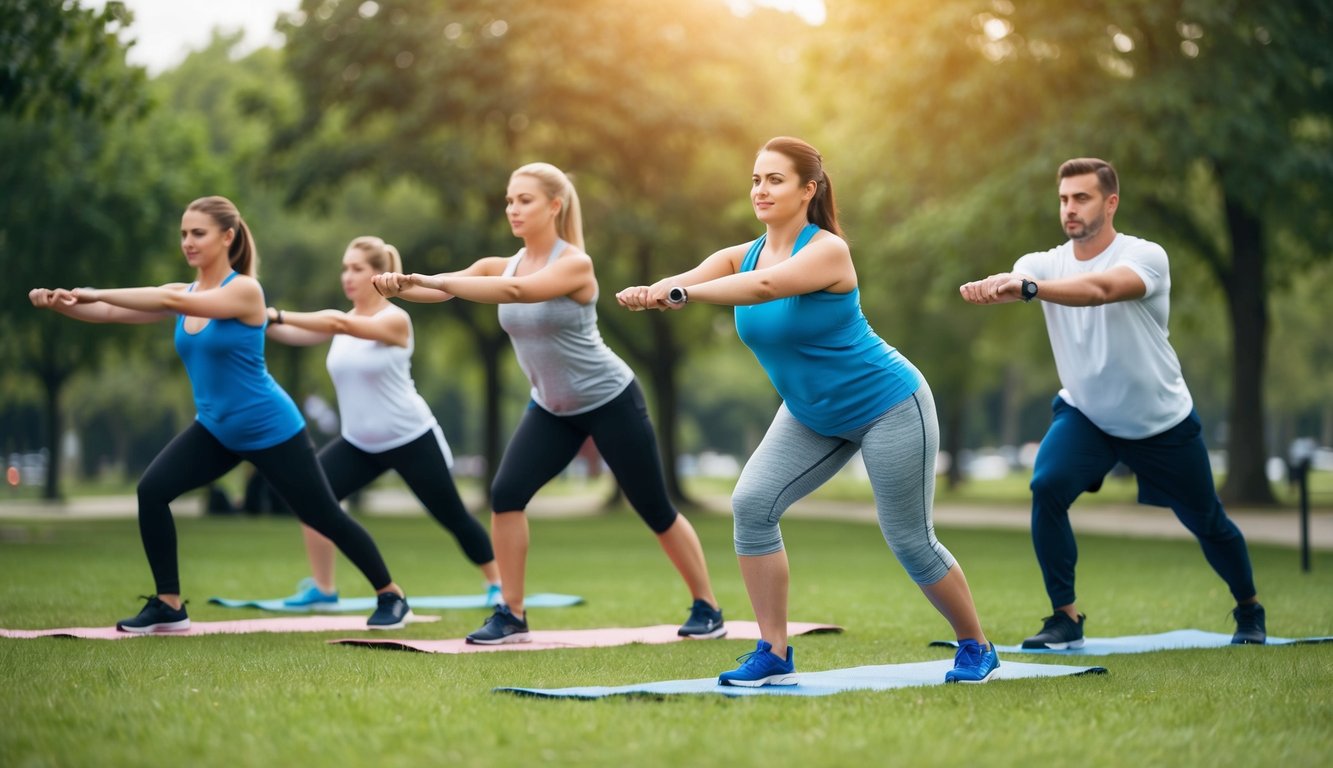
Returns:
(560,349)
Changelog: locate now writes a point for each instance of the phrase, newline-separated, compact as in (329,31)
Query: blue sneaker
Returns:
(308,595)
(761,667)
(972,663)
(494,596)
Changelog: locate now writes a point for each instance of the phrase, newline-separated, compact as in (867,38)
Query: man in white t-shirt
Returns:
(1106,298)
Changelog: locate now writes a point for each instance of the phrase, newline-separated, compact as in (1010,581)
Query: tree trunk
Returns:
(1246,479)
(491,347)
(53,381)
(662,368)
(955,412)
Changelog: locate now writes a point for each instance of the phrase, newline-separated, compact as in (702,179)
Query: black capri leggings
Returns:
(544,444)
(422,466)
(195,458)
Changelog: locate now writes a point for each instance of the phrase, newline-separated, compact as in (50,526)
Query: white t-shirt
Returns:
(1114,361)
(377,399)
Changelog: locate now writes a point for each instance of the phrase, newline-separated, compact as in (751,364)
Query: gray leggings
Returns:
(899,451)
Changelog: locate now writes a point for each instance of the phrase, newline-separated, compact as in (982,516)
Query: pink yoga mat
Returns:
(240,627)
(545,640)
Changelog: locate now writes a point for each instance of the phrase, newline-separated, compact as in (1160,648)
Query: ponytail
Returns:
(558,186)
(823,209)
(243,255)
(381,256)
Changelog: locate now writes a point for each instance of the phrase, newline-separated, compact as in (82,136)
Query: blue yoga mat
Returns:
(1165,641)
(876,678)
(423,602)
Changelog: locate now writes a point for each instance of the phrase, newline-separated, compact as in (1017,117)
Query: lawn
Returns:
(292,699)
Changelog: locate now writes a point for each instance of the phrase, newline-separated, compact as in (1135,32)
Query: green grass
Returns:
(292,699)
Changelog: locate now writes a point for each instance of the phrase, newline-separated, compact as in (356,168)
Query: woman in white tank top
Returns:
(385,423)
(547,296)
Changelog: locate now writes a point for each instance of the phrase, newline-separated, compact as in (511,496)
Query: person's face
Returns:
(203,239)
(356,275)
(1083,208)
(776,191)
(528,208)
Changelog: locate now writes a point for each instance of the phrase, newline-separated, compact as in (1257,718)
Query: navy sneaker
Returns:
(1251,628)
(761,667)
(391,612)
(973,663)
(705,622)
(1058,633)
(156,616)
(501,628)
(309,595)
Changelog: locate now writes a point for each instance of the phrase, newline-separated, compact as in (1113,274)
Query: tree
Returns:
(1218,115)
(639,99)
(98,191)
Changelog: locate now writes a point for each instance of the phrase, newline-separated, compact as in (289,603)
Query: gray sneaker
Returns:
(502,627)
(1058,633)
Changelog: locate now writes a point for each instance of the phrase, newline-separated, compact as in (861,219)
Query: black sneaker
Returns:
(156,616)
(1058,633)
(391,612)
(1250,627)
(502,627)
(705,622)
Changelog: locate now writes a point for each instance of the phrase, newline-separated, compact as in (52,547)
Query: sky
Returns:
(165,31)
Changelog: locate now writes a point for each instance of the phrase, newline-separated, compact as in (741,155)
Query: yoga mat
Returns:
(244,627)
(874,678)
(550,639)
(424,602)
(1164,641)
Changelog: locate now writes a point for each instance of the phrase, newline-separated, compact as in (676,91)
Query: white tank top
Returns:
(377,399)
(560,349)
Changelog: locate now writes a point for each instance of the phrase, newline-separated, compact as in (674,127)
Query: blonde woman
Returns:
(385,423)
(547,295)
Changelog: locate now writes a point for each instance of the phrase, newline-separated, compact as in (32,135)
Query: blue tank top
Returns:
(236,398)
(832,370)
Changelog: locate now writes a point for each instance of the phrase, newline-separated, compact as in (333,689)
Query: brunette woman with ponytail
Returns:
(242,412)
(844,390)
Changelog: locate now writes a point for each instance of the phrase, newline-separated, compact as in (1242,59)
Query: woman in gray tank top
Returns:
(547,297)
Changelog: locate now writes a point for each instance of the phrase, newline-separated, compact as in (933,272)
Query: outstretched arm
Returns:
(304,328)
(1091,290)
(63,301)
(242,299)
(720,264)
(565,276)
(824,264)
(399,285)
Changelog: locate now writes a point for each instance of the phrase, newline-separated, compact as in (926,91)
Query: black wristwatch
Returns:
(1029,290)
(678,296)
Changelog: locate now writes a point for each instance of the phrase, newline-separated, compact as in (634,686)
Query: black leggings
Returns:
(544,444)
(195,458)
(422,466)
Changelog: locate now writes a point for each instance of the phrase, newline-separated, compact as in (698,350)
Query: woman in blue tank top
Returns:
(242,412)
(843,389)
(547,297)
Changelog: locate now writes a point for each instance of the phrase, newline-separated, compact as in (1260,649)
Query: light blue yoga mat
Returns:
(1164,641)
(876,678)
(422,602)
